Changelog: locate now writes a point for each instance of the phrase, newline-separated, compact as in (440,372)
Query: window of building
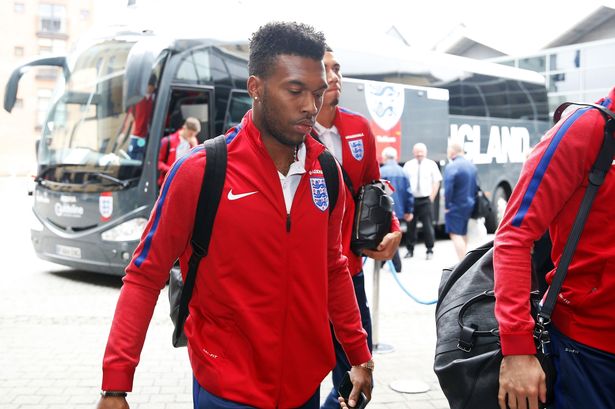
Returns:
(47,46)
(19,7)
(52,18)
(565,60)
(18,51)
(84,14)
(537,63)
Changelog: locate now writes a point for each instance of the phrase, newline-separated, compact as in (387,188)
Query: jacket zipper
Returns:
(288,222)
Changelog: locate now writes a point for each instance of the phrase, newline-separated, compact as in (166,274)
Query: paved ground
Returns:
(54,323)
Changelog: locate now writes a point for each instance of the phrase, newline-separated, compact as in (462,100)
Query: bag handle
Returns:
(596,177)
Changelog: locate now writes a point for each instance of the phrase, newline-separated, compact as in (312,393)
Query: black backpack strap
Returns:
(596,177)
(329,170)
(209,198)
(345,176)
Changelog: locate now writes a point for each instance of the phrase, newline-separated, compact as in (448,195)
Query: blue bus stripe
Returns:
(542,167)
(163,195)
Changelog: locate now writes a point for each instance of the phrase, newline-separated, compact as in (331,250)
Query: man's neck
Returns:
(326,116)
(282,155)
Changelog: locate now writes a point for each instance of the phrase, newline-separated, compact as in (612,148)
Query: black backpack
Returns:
(180,292)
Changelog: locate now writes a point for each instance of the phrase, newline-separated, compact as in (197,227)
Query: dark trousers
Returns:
(205,400)
(423,211)
(585,375)
(343,365)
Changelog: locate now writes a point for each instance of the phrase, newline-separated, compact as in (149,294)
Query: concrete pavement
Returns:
(54,323)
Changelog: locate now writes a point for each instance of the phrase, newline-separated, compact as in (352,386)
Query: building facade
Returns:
(34,28)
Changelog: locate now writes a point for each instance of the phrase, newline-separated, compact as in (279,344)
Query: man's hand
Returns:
(362,381)
(408,217)
(521,378)
(112,402)
(387,247)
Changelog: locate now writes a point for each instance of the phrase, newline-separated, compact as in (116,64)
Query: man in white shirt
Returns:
(425,178)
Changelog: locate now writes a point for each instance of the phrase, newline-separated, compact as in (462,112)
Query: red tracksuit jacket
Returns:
(360,162)
(258,329)
(548,195)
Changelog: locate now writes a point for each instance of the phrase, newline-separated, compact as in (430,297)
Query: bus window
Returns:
(239,103)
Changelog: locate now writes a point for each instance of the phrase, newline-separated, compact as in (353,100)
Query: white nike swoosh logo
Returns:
(231,196)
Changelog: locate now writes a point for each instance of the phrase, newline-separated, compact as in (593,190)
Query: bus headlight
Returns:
(35,223)
(127,231)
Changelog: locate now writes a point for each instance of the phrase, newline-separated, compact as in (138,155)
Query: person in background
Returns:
(176,145)
(459,195)
(548,195)
(402,196)
(138,119)
(348,137)
(258,326)
(425,178)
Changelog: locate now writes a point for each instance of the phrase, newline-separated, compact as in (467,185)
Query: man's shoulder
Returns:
(351,117)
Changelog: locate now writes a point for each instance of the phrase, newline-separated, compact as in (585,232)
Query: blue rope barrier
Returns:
(404,289)
(415,299)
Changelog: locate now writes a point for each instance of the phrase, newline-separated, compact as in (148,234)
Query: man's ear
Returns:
(255,86)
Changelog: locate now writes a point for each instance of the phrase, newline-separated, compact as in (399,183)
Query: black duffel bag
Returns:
(468,353)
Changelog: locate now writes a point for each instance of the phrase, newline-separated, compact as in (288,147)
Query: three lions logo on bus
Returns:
(319,193)
(385,103)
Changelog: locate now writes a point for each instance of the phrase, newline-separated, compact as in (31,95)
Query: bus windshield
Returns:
(85,138)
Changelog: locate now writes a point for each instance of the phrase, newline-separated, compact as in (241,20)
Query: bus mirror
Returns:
(139,64)
(12,85)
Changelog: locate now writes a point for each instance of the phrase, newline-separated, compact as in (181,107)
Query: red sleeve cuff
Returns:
(118,379)
(518,344)
(395,224)
(358,355)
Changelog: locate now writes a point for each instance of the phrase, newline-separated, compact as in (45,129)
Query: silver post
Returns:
(378,347)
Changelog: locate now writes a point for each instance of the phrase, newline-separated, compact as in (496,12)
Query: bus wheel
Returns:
(498,206)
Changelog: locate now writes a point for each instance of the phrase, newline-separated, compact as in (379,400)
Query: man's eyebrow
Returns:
(303,85)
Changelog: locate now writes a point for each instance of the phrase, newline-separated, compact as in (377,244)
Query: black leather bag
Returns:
(482,205)
(468,353)
(372,216)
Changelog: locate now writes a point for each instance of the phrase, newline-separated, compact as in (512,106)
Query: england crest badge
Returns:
(356,148)
(319,193)
(105,205)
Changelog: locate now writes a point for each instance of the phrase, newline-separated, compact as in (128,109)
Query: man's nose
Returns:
(311,104)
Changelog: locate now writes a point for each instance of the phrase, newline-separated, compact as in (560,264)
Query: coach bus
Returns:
(496,112)
(120,94)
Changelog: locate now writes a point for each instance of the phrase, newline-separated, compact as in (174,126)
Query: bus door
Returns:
(191,101)
(187,101)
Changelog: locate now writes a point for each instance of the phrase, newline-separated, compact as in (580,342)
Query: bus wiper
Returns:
(40,178)
(123,183)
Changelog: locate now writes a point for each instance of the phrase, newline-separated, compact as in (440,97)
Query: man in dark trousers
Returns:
(402,196)
(548,195)
(425,178)
(349,138)
(258,330)
(459,195)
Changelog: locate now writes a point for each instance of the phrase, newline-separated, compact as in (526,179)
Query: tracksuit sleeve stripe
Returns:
(542,167)
(159,206)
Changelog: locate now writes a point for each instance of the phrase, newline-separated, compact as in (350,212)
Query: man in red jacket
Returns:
(258,330)
(547,196)
(349,138)
(176,145)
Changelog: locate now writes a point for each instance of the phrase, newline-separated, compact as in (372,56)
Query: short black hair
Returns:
(277,38)
(153,80)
